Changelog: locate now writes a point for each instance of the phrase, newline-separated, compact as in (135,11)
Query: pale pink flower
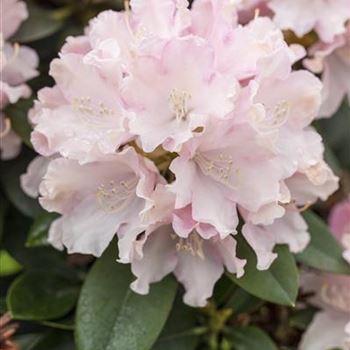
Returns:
(330,328)
(13,13)
(219,173)
(326,18)
(30,181)
(213,20)
(339,222)
(332,60)
(196,262)
(224,98)
(250,9)
(161,19)
(170,94)
(174,242)
(268,135)
(97,200)
(261,42)
(91,117)
(10,143)
(17,65)
(291,229)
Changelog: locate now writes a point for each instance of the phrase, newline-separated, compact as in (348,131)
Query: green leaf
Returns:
(301,319)
(67,323)
(40,24)
(38,232)
(223,290)
(111,316)
(179,331)
(241,301)
(15,235)
(10,178)
(27,341)
(41,295)
(52,340)
(251,338)
(278,285)
(335,131)
(323,252)
(8,265)
(18,114)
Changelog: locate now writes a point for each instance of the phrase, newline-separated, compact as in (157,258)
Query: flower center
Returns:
(193,245)
(178,103)
(90,112)
(113,197)
(219,168)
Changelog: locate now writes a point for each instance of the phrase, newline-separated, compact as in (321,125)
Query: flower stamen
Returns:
(114,197)
(178,102)
(193,245)
(220,169)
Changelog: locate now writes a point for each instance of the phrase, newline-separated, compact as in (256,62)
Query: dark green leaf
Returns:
(18,114)
(279,284)
(52,340)
(242,301)
(66,323)
(251,338)
(323,252)
(10,178)
(335,131)
(302,318)
(111,316)
(178,331)
(331,159)
(41,23)
(27,341)
(223,290)
(41,295)
(15,235)
(38,232)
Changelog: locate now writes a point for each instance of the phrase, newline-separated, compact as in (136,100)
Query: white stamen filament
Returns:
(178,103)
(91,113)
(220,169)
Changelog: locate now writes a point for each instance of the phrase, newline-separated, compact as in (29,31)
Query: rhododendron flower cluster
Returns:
(329,22)
(330,327)
(17,65)
(168,126)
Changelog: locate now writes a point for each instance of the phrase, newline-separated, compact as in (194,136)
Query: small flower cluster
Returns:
(17,65)
(328,23)
(168,126)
